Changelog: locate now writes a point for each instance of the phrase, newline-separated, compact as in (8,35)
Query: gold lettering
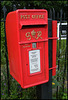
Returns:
(33,16)
(39,35)
(39,16)
(33,33)
(42,16)
(28,16)
(21,16)
(26,46)
(24,16)
(28,36)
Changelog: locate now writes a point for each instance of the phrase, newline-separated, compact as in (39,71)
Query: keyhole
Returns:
(33,45)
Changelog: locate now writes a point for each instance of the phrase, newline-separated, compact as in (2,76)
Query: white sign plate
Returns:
(34,61)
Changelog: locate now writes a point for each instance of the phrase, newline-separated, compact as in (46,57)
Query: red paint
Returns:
(18,52)
(54,46)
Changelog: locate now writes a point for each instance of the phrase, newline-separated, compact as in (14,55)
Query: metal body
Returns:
(54,46)
(23,28)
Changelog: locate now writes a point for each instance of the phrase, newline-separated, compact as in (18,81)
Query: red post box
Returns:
(27,42)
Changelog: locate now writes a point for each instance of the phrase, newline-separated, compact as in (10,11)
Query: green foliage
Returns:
(15,89)
(62,95)
(35,4)
(4,85)
(61,49)
(2,43)
(57,83)
(6,3)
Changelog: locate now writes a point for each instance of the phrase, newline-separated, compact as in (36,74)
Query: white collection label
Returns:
(34,61)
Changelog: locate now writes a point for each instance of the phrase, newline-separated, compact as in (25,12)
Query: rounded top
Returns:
(18,10)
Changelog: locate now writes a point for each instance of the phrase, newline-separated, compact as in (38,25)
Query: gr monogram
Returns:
(33,34)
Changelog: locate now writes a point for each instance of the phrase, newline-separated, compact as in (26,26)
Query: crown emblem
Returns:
(33,33)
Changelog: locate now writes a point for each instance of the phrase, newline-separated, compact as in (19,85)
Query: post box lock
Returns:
(27,42)
(33,45)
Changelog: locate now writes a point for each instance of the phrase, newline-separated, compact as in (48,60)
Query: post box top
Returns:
(30,16)
(19,10)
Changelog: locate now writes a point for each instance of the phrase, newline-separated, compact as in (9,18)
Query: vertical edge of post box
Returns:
(12,36)
(18,28)
(54,46)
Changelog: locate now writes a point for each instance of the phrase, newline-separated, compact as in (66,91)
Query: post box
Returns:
(27,43)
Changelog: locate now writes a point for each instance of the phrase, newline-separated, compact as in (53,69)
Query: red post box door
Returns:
(34,55)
